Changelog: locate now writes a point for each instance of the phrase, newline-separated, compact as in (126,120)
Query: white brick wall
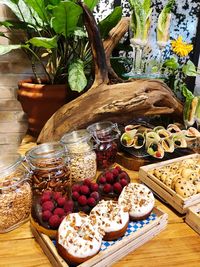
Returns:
(13,123)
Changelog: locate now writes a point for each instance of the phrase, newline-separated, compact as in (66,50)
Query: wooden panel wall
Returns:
(13,67)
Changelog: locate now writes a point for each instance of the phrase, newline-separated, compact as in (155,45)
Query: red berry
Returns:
(48,205)
(94,187)
(95,195)
(123,182)
(122,175)
(57,195)
(44,198)
(61,201)
(91,201)
(84,189)
(102,180)
(69,206)
(82,200)
(117,187)
(115,172)
(54,221)
(87,182)
(118,168)
(62,218)
(109,177)
(46,215)
(75,187)
(47,192)
(107,188)
(75,195)
(59,211)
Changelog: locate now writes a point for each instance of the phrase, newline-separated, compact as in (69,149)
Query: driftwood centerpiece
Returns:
(118,102)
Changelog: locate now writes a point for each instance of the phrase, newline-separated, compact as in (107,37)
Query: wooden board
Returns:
(114,252)
(166,193)
(193,217)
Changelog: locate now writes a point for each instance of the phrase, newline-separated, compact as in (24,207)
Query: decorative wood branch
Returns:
(117,102)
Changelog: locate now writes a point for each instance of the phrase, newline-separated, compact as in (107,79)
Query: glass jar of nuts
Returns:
(79,146)
(51,186)
(15,192)
(106,135)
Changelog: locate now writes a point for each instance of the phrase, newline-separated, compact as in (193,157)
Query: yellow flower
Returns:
(181,48)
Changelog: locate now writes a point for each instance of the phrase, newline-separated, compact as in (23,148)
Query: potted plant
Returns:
(55,41)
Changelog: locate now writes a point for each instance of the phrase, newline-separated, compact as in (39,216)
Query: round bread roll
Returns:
(138,200)
(113,218)
(79,238)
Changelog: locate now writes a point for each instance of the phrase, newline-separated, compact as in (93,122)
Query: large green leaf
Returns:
(4,49)
(65,17)
(91,3)
(39,7)
(22,11)
(15,1)
(76,78)
(110,21)
(47,43)
(146,6)
(189,69)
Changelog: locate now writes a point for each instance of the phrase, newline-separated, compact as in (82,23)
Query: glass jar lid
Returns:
(104,131)
(12,171)
(77,141)
(46,155)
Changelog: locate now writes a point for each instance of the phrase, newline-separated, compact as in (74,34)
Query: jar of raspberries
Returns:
(82,158)
(15,192)
(106,137)
(51,185)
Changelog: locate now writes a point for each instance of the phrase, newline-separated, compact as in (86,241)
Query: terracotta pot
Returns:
(40,102)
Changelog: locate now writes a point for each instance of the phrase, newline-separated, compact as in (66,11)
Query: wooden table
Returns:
(177,245)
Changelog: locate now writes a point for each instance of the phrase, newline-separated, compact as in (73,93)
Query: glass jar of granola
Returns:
(82,163)
(15,192)
(106,135)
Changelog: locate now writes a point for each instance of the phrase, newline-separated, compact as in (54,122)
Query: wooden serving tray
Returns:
(137,234)
(193,217)
(166,193)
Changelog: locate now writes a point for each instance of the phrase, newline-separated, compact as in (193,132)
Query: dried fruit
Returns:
(94,187)
(109,177)
(95,195)
(76,188)
(69,206)
(102,180)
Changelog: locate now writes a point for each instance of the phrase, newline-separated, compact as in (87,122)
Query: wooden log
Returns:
(116,102)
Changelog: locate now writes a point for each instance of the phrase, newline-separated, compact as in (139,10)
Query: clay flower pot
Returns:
(40,101)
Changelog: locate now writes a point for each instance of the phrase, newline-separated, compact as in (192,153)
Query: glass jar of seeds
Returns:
(15,192)
(79,147)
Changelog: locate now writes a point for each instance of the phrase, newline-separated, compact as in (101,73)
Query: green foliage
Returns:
(77,79)
(110,21)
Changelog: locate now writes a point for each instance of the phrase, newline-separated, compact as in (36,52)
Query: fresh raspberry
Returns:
(46,214)
(48,205)
(109,177)
(118,168)
(84,189)
(69,206)
(123,182)
(94,187)
(117,187)
(75,195)
(76,187)
(115,172)
(47,192)
(102,180)
(54,221)
(61,201)
(158,154)
(87,182)
(82,200)
(122,175)
(44,198)
(91,201)
(95,195)
(57,195)
(59,211)
(107,188)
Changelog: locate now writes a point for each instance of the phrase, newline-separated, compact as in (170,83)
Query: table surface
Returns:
(177,245)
